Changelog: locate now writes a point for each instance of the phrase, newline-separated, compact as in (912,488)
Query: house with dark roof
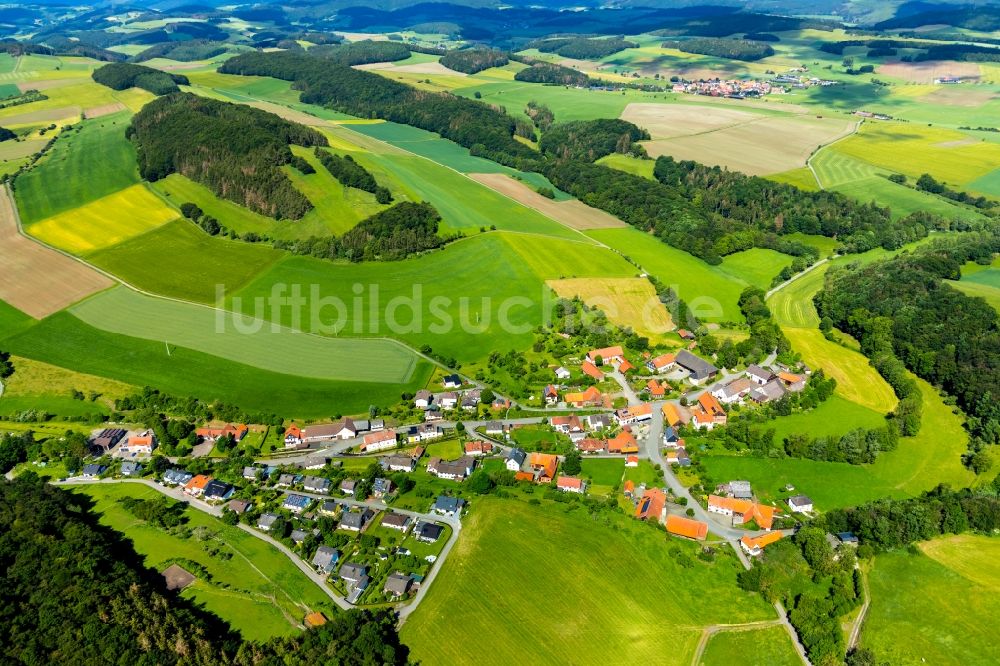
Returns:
(428,532)
(317,484)
(515,459)
(353,573)
(347,486)
(452,381)
(298,536)
(381,487)
(177,477)
(769,392)
(106,440)
(218,491)
(396,521)
(328,508)
(93,470)
(699,369)
(399,463)
(251,473)
(238,506)
(267,521)
(397,585)
(285,481)
(423,399)
(131,468)
(800,504)
(758,375)
(296,503)
(455,470)
(355,521)
(448,506)
(326,558)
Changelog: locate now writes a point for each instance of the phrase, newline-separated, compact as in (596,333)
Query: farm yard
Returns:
(618,615)
(952,580)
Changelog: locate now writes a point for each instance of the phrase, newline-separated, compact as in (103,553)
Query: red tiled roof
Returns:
(685,527)
(589,368)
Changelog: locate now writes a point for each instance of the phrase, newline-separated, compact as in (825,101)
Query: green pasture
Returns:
(552,259)
(801,178)
(833,418)
(552,602)
(244,340)
(756,266)
(258,590)
(824,244)
(710,293)
(429,145)
(918,464)
(628,164)
(182,261)
(936,606)
(988,184)
(770,645)
(68,342)
(566,103)
(644,473)
(82,166)
(603,473)
(336,208)
(987,292)
(12,320)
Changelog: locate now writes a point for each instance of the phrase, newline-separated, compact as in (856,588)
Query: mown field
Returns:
(937,606)
(245,340)
(918,464)
(87,164)
(544,598)
(258,590)
(630,302)
(37,385)
(771,646)
(182,261)
(68,342)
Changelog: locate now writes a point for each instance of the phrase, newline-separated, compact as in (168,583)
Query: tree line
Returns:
(732,49)
(581,48)
(123,75)
(552,74)
(352,174)
(233,149)
(471,61)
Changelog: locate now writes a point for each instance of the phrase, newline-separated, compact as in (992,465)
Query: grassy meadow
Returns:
(770,645)
(542,583)
(936,605)
(258,590)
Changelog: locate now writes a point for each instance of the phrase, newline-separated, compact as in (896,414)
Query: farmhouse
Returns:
(699,369)
(140,443)
(196,486)
(625,366)
(569,484)
(634,414)
(328,431)
(651,505)
(675,415)
(773,390)
(105,440)
(293,436)
(448,506)
(544,466)
(687,528)
(739,489)
(754,546)
(355,521)
(214,431)
(515,459)
(607,355)
(400,463)
(792,382)
(662,363)
(800,504)
(396,521)
(591,370)
(656,389)
(589,398)
(566,424)
(742,511)
(325,560)
(708,413)
(591,445)
(551,395)
(478,448)
(296,503)
(758,375)
(455,470)
(623,442)
(379,441)
(734,391)
(397,585)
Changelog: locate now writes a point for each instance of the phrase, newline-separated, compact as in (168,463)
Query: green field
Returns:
(628,164)
(12,320)
(918,464)
(834,417)
(243,340)
(771,646)
(543,597)
(987,292)
(710,293)
(66,341)
(938,606)
(87,165)
(603,474)
(756,266)
(182,261)
(258,591)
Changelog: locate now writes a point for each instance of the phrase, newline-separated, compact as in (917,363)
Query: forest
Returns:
(486,131)
(903,308)
(733,49)
(551,74)
(187,51)
(474,60)
(75,591)
(352,174)
(233,149)
(123,75)
(590,140)
(581,48)
(361,53)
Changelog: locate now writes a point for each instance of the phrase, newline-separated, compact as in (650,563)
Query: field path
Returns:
(36,278)
(820,147)
(713,629)
(859,622)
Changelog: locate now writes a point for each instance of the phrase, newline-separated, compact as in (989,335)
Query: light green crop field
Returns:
(708,291)
(459,294)
(336,208)
(12,320)
(756,266)
(833,418)
(825,245)
(546,601)
(258,591)
(801,178)
(566,103)
(107,221)
(603,473)
(557,258)
(89,164)
(918,464)
(628,164)
(245,340)
(771,646)
(937,607)
(429,145)
(987,292)
(182,261)
(68,342)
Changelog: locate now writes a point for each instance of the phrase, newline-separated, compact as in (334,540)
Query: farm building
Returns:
(685,527)
(699,369)
(379,441)
(754,546)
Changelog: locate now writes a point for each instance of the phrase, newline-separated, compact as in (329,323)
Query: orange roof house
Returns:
(651,505)
(478,448)
(708,402)
(591,445)
(145,441)
(662,362)
(590,369)
(625,366)
(544,463)
(756,545)
(589,397)
(569,423)
(674,415)
(524,476)
(623,442)
(295,431)
(708,413)
(687,528)
(606,354)
(634,413)
(196,486)
(742,511)
(570,484)
(629,488)
(788,377)
(656,389)
(212,431)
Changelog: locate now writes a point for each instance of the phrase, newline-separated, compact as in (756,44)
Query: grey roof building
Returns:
(267,521)
(398,584)
(325,559)
(699,368)
(448,505)
(356,520)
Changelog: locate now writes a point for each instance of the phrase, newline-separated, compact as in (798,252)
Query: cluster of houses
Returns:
(734,88)
(705,414)
(122,443)
(201,486)
(759,385)
(793,79)
(696,370)
(542,468)
(433,404)
(299,438)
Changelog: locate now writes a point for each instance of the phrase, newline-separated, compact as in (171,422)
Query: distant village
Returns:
(749,88)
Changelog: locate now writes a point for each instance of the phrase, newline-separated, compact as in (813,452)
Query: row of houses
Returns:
(201,486)
(468,400)
(705,414)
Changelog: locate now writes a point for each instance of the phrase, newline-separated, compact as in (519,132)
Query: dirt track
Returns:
(573,214)
(35,279)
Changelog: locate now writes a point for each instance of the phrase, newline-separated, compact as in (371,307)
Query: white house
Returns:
(448,400)
(562,373)
(423,399)
(800,504)
(379,441)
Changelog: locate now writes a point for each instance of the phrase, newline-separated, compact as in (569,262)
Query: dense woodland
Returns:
(352,174)
(361,53)
(233,149)
(76,592)
(484,130)
(590,140)
(903,308)
(734,49)
(582,48)
(187,51)
(123,75)
(474,60)
(552,74)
